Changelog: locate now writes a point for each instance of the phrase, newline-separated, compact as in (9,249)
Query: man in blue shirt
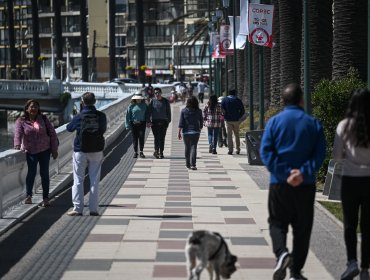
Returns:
(293,149)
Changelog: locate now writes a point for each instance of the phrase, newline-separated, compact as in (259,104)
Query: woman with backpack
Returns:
(35,135)
(212,116)
(137,118)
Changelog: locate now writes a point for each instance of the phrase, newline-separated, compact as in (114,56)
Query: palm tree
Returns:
(83,34)
(36,70)
(275,59)
(321,30)
(350,41)
(290,18)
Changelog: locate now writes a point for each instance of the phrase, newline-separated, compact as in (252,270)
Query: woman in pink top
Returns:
(352,146)
(37,137)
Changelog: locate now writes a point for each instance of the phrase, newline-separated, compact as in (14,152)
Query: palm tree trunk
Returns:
(321,30)
(83,34)
(350,41)
(112,39)
(13,58)
(275,59)
(36,70)
(290,17)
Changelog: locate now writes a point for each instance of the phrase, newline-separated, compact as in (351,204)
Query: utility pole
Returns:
(112,39)
(140,51)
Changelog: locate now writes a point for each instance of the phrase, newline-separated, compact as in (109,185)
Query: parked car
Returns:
(125,81)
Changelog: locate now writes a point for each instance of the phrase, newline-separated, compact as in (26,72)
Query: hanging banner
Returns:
(216,46)
(244,18)
(225,39)
(211,41)
(241,39)
(260,20)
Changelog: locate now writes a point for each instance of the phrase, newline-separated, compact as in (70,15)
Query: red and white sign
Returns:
(225,40)
(216,47)
(260,19)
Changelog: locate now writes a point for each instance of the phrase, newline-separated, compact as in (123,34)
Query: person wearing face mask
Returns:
(35,135)
(160,117)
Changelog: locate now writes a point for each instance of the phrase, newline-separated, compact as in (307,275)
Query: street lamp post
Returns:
(210,25)
(226,5)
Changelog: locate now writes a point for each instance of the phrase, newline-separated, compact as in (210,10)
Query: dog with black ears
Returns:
(212,252)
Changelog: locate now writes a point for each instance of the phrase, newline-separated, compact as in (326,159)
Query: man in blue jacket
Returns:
(90,125)
(293,149)
(233,109)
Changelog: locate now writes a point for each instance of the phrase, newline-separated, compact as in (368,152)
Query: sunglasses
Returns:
(157,92)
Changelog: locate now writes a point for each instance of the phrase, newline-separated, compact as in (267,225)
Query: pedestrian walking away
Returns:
(201,89)
(293,149)
(233,109)
(90,126)
(222,134)
(35,135)
(190,126)
(352,147)
(160,116)
(212,117)
(136,120)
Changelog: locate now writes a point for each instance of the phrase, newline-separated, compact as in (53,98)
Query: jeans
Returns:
(233,127)
(355,196)
(43,159)
(80,161)
(138,135)
(159,129)
(191,142)
(213,136)
(294,206)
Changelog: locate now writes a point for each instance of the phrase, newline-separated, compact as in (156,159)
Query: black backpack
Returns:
(91,139)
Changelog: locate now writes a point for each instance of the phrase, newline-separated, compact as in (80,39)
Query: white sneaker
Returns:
(281,265)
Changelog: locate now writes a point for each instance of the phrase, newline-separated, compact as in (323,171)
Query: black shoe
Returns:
(210,149)
(297,277)
(135,155)
(142,155)
(225,144)
(351,272)
(364,275)
(237,152)
(156,154)
(214,152)
(193,168)
(161,156)
(229,152)
(281,265)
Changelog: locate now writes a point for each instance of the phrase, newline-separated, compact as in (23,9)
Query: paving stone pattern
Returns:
(142,232)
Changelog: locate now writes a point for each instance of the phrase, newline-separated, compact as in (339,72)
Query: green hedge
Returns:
(329,103)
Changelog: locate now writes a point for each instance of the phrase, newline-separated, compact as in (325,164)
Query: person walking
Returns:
(212,117)
(136,120)
(190,126)
(233,111)
(222,134)
(35,135)
(352,147)
(90,126)
(201,87)
(293,149)
(160,116)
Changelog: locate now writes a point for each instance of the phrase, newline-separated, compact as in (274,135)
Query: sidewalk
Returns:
(142,232)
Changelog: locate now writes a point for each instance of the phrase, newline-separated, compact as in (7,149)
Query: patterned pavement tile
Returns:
(90,264)
(227,195)
(234,208)
(248,241)
(177,210)
(178,198)
(178,225)
(174,234)
(239,221)
(169,271)
(185,204)
(170,257)
(257,263)
(104,238)
(171,244)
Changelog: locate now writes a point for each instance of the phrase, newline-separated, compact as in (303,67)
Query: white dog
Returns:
(212,253)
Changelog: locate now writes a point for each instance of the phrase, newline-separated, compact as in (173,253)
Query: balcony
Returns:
(152,40)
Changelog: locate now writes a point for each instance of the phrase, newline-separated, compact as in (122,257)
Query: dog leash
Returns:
(219,246)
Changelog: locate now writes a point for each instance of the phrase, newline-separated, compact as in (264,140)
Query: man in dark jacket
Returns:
(88,148)
(160,116)
(293,149)
(233,109)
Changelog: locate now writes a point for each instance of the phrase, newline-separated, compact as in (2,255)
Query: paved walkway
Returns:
(142,232)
